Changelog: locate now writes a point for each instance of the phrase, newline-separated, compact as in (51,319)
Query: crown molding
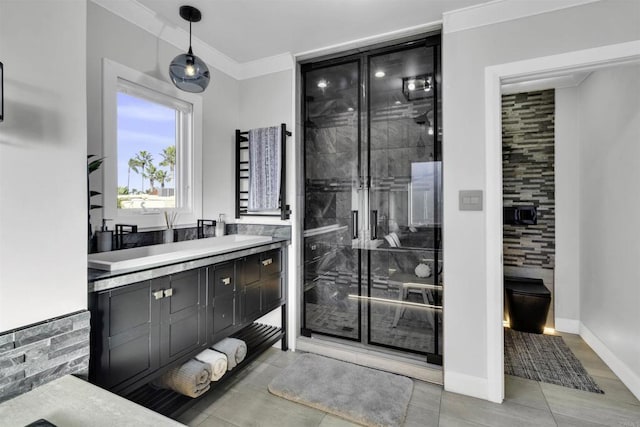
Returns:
(501,11)
(268,65)
(366,41)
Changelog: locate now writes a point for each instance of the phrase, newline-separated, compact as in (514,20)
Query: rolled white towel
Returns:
(193,378)
(217,361)
(235,349)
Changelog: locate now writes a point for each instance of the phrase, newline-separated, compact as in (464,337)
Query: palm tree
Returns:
(151,173)
(162,177)
(144,158)
(133,164)
(169,160)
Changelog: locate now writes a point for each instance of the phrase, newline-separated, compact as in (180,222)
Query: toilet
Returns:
(527,303)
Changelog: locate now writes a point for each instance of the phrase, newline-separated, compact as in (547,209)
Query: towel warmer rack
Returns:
(242,175)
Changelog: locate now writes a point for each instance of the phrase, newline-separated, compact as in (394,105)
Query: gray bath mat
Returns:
(358,394)
(544,358)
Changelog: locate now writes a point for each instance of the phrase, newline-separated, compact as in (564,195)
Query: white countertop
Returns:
(71,402)
(157,255)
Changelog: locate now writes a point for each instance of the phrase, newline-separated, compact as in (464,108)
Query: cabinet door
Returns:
(183,314)
(224,279)
(223,302)
(224,314)
(269,263)
(271,293)
(251,302)
(249,269)
(127,334)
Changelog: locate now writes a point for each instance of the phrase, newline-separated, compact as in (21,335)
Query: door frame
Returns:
(536,68)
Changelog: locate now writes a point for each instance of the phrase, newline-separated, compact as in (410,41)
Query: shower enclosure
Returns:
(373,191)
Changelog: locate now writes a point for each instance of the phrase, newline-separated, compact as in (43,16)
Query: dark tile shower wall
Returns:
(35,355)
(528,176)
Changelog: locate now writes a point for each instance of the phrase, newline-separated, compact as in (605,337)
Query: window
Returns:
(152,145)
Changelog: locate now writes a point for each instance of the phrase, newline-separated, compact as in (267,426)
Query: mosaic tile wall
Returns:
(37,354)
(528,176)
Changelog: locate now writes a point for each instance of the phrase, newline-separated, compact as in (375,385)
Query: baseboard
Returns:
(626,374)
(466,384)
(570,326)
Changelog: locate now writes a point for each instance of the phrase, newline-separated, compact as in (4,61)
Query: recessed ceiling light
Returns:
(398,102)
(379,74)
(430,130)
(350,109)
(322,84)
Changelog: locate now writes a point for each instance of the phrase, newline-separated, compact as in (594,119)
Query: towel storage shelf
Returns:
(141,330)
(257,336)
(242,176)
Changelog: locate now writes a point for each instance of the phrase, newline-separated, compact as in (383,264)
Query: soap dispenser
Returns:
(104,237)
(220,226)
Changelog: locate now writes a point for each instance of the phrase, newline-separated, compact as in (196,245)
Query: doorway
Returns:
(495,76)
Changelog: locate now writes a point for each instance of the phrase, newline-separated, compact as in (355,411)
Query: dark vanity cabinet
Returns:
(146,325)
(142,329)
(261,288)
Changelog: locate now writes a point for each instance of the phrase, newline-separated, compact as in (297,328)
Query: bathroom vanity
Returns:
(148,315)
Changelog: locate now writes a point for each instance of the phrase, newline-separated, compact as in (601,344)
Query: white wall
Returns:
(609,114)
(465,55)
(43,210)
(129,45)
(567,267)
(267,101)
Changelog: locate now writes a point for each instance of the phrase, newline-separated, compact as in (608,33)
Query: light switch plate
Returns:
(470,200)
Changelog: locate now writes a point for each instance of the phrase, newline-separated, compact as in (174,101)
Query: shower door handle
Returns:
(374,225)
(354,224)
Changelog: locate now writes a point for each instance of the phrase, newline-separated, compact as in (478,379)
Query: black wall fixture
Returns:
(1,93)
(520,215)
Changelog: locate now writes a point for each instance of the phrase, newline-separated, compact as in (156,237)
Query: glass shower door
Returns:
(405,193)
(332,164)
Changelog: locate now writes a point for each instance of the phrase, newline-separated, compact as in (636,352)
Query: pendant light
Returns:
(187,71)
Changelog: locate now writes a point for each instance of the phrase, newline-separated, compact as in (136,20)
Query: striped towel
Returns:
(264,169)
(192,378)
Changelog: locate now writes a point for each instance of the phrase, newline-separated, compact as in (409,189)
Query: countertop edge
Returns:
(122,278)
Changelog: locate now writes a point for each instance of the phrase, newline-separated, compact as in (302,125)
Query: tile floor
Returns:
(245,401)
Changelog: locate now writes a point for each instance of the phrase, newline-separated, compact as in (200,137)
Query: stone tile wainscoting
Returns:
(156,237)
(37,354)
(528,158)
(529,176)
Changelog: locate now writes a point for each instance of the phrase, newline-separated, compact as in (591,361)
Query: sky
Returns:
(142,125)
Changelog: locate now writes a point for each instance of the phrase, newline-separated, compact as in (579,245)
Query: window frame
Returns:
(188,155)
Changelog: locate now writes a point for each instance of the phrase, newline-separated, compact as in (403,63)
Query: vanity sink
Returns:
(156,255)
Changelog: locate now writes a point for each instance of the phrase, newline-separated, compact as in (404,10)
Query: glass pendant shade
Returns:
(189,73)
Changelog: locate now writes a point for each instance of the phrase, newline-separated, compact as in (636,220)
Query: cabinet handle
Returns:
(168,292)
(159,294)
(267,262)
(226,281)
